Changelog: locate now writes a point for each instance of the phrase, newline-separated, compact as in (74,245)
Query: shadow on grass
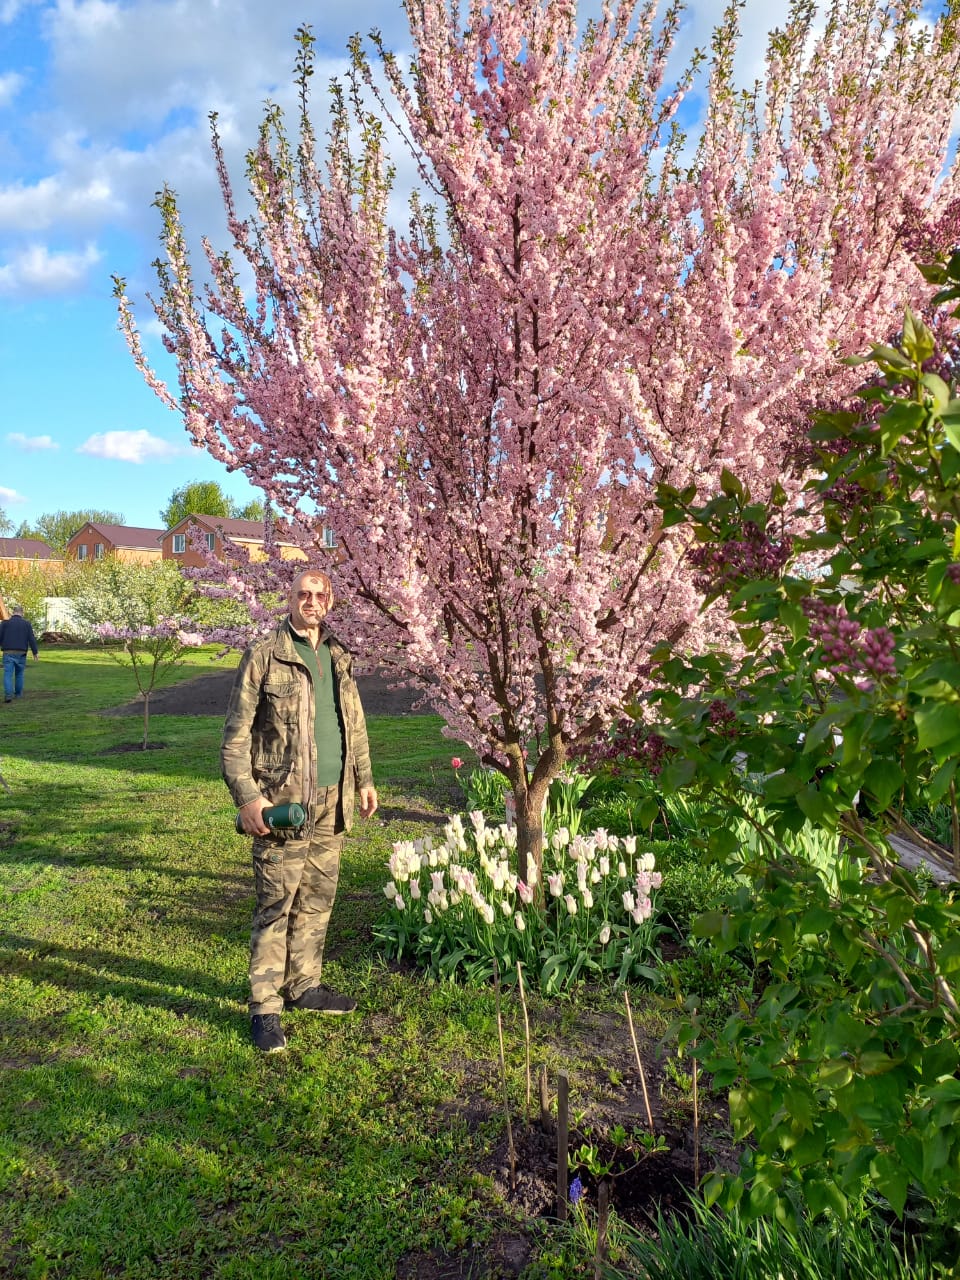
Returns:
(111,974)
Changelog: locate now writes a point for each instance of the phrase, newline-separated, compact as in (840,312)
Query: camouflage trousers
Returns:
(296,883)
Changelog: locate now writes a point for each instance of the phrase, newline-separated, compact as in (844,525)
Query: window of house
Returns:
(211,542)
(179,543)
(329,537)
(82,551)
(98,551)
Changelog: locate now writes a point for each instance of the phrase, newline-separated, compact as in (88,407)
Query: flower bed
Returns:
(455,905)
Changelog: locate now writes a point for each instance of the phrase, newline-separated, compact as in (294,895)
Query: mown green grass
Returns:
(140,1134)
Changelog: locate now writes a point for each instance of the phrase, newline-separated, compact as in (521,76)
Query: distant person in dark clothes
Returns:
(16,637)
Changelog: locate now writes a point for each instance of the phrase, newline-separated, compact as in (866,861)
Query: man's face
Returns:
(309,601)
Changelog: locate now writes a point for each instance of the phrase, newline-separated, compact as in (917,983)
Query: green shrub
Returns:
(713,1246)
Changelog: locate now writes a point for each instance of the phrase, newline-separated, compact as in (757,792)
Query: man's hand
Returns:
(368,802)
(251,817)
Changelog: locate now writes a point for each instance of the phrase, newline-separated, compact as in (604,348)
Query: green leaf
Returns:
(708,924)
(815,921)
(892,1181)
(730,485)
(780,786)
(939,391)
(883,778)
(902,418)
(818,732)
(918,341)
(937,723)
(951,428)
(835,1073)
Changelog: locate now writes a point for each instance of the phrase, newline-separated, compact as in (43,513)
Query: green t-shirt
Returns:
(327,728)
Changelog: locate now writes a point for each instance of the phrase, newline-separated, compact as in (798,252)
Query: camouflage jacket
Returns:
(268,744)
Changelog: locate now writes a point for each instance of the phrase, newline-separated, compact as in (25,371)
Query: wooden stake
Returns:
(526,1041)
(563,1138)
(636,1050)
(546,1122)
(511,1149)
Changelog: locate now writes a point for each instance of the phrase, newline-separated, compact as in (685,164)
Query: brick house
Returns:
(96,541)
(176,542)
(20,553)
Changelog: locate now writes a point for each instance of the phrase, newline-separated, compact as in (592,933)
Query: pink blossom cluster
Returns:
(167,629)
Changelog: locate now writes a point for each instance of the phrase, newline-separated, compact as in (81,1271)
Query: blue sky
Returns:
(101,103)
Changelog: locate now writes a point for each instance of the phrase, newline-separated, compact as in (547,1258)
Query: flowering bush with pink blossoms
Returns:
(455,905)
(150,650)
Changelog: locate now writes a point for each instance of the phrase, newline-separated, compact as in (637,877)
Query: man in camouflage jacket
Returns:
(295,731)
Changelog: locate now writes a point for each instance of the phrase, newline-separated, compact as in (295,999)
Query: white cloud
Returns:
(54,200)
(130,446)
(8,497)
(10,10)
(10,85)
(31,443)
(36,270)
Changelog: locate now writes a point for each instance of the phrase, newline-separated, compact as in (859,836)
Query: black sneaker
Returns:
(322,1000)
(267,1033)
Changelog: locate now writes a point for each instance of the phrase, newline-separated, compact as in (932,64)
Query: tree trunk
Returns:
(531,802)
(146,718)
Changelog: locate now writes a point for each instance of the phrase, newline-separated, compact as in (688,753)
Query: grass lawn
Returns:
(141,1134)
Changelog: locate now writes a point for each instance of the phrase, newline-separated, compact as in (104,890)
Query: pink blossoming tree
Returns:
(483,407)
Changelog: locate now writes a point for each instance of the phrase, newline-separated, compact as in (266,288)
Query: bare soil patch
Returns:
(208,696)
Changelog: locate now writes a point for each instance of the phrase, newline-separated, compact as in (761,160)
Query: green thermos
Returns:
(280,817)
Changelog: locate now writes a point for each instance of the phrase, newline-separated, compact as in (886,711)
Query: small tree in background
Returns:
(151,651)
(145,608)
(484,407)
